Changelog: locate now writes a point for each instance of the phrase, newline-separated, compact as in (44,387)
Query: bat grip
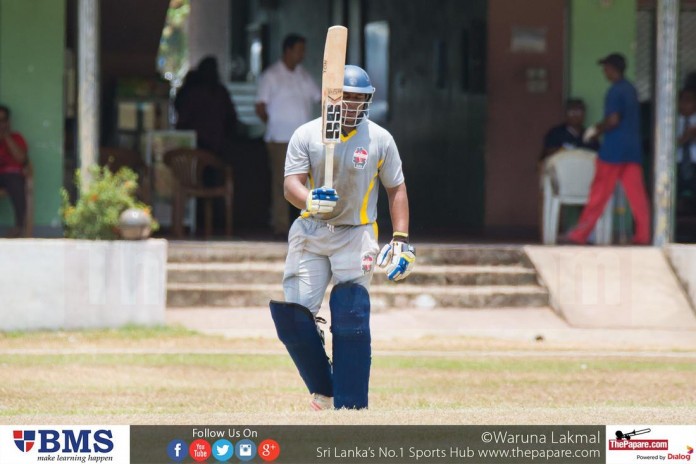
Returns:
(328,165)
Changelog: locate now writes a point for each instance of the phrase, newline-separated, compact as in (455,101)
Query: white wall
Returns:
(70,284)
(209,33)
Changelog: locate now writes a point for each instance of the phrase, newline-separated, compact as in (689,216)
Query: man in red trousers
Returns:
(619,156)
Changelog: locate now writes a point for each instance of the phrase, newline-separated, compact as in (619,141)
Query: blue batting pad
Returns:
(352,354)
(297,329)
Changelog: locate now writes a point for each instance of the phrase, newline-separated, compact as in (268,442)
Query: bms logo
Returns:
(65,441)
(24,439)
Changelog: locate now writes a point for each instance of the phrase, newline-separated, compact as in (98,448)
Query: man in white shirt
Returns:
(284,102)
(686,153)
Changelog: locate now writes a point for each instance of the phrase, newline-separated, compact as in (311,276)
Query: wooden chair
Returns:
(116,158)
(29,194)
(187,166)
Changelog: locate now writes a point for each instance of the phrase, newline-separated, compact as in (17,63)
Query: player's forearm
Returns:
(295,192)
(398,208)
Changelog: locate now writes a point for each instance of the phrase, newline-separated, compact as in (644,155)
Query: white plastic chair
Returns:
(566,180)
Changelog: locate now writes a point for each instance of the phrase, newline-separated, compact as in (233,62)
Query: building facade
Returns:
(468,89)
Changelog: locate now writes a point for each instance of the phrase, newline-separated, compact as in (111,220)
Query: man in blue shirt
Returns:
(619,157)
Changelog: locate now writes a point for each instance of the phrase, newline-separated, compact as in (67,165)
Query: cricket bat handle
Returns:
(328,165)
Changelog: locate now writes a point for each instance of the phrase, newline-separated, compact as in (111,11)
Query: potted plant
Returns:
(98,213)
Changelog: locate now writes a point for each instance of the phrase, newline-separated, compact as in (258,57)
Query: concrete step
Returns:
(272,273)
(222,252)
(208,252)
(382,296)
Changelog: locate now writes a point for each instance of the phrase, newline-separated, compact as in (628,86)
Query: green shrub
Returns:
(95,214)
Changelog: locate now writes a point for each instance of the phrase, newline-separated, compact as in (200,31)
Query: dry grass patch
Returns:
(157,376)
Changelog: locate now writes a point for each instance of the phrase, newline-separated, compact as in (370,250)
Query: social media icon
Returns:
(245,450)
(269,450)
(200,450)
(177,450)
(223,450)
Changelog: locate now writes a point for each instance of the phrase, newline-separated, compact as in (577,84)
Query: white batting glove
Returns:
(398,257)
(321,200)
(590,133)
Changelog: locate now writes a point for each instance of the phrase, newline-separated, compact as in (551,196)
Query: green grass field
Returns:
(174,376)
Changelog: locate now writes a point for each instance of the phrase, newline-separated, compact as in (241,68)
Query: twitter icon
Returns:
(223,450)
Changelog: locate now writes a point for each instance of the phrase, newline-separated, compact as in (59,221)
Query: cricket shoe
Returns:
(321,402)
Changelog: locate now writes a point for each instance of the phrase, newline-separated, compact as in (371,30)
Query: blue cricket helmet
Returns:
(356,80)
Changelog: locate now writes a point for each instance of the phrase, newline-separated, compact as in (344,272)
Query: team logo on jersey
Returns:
(360,158)
(367,263)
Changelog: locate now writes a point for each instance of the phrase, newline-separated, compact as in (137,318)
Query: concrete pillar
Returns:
(355,33)
(665,116)
(209,33)
(337,10)
(88,86)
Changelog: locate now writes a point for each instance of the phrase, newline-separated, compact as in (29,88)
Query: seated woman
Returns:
(13,158)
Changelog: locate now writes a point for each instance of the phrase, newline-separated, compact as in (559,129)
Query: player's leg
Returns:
(603,185)
(297,329)
(352,265)
(307,268)
(305,280)
(352,352)
(632,181)
(355,259)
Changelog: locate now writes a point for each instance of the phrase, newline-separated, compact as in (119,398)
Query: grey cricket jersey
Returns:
(363,159)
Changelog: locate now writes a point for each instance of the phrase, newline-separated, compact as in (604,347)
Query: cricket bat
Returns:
(332,95)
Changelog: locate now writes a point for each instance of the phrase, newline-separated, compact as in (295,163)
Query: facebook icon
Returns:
(177,450)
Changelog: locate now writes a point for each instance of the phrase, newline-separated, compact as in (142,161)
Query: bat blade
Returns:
(332,94)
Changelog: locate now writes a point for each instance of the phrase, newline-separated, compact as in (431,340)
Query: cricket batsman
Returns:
(335,239)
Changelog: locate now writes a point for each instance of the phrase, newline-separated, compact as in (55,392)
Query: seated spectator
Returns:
(565,136)
(13,158)
(568,135)
(686,153)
